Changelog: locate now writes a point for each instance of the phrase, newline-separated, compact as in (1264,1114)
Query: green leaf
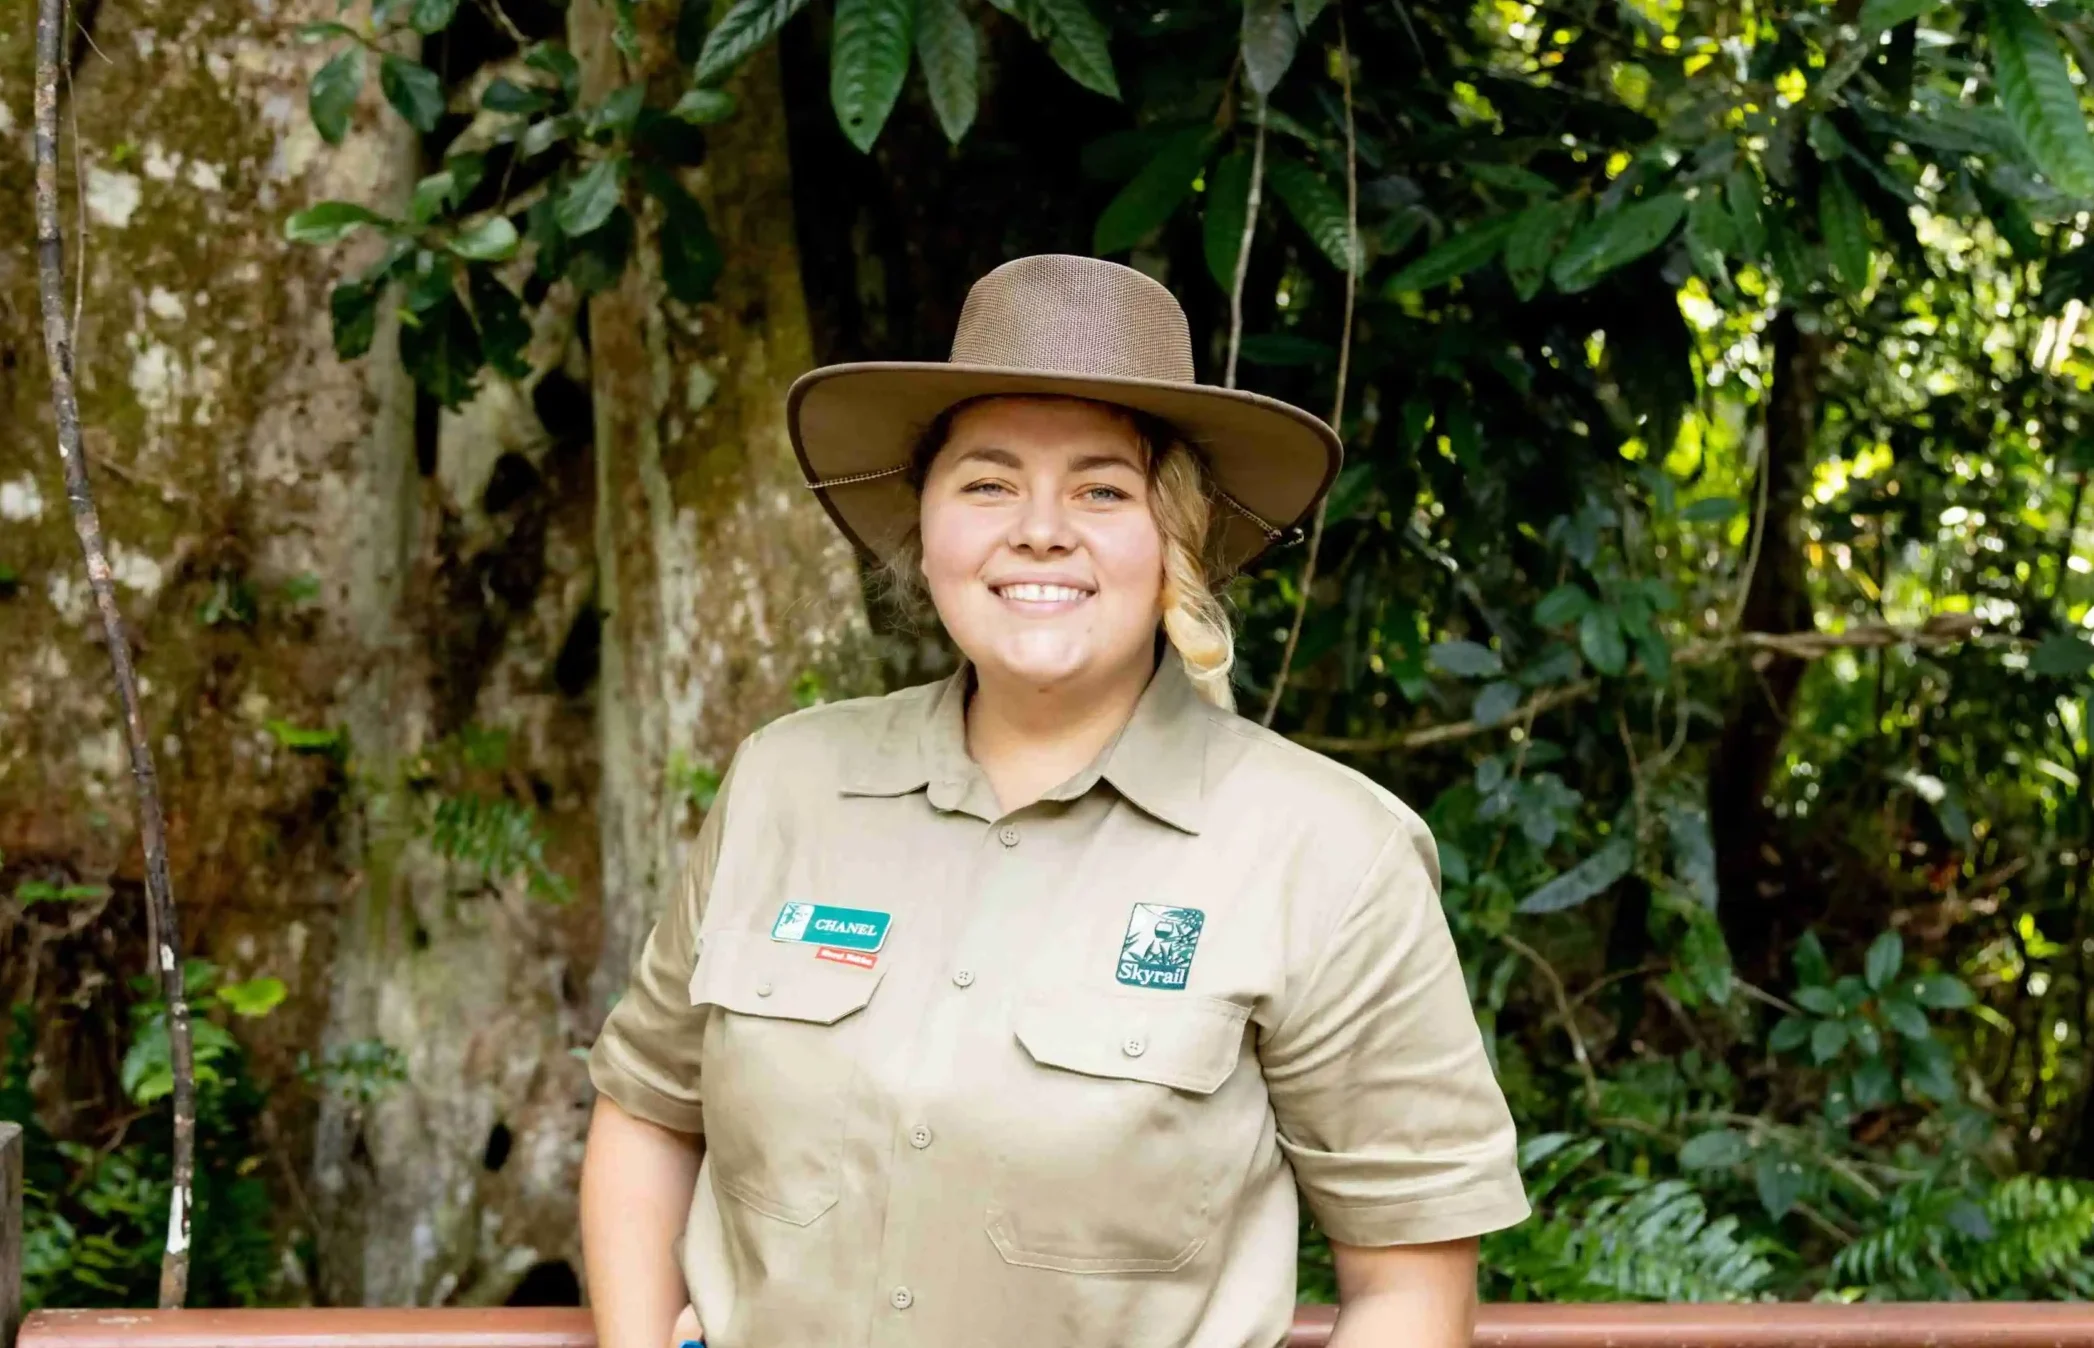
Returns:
(1496,702)
(431,16)
(1844,222)
(1315,206)
(1780,1181)
(330,222)
(703,107)
(504,330)
(1513,178)
(1307,11)
(256,997)
(1809,959)
(1227,202)
(558,62)
(1269,35)
(1457,255)
(2063,655)
(1866,1037)
(491,240)
(506,95)
(1874,1084)
(1717,1149)
(441,350)
(1286,348)
(1879,16)
(1533,243)
(547,132)
(1931,1070)
(352,308)
(332,94)
(1591,877)
(1711,236)
(1790,1034)
(446,187)
(691,258)
(1612,241)
(869,47)
(1746,199)
(747,25)
(590,197)
(321,32)
(1465,659)
(1656,653)
(1818,999)
(413,90)
(949,51)
(1080,45)
(1146,202)
(1712,509)
(1828,1039)
(2036,89)
(1906,1018)
(1599,636)
(1563,605)
(597,259)
(1886,956)
(1943,992)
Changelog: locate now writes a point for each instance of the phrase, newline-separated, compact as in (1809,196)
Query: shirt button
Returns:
(963,978)
(902,1298)
(1008,835)
(920,1137)
(1135,1046)
(763,989)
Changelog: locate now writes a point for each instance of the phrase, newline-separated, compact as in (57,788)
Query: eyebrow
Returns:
(1088,463)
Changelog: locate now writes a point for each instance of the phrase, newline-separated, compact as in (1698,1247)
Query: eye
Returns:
(985,487)
(1103,494)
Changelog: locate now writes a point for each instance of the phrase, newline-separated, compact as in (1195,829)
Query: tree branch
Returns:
(164,937)
(1243,248)
(1943,629)
(1352,285)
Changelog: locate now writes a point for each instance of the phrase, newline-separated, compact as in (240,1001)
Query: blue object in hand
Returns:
(692,1343)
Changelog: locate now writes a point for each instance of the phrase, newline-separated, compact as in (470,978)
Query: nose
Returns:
(1043,525)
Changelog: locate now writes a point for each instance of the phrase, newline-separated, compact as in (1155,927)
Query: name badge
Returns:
(844,928)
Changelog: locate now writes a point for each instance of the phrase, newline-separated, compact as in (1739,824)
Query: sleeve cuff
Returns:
(635,1097)
(1475,1211)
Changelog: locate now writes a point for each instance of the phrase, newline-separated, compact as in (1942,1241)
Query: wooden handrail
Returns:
(1760,1325)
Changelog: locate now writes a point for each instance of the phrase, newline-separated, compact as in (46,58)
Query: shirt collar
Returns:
(1158,761)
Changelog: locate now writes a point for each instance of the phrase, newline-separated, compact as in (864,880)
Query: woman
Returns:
(1016,1010)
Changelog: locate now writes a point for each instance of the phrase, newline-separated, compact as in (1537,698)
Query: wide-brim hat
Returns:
(1058,324)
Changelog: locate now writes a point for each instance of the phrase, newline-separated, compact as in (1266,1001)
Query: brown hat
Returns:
(1074,326)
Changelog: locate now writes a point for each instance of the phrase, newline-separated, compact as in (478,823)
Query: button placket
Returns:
(1008,835)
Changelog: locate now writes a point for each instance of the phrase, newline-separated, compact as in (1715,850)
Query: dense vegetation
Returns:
(1709,564)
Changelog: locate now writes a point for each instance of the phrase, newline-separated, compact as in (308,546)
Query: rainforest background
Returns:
(1711,565)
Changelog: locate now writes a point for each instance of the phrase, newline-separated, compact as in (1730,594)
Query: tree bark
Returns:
(1759,913)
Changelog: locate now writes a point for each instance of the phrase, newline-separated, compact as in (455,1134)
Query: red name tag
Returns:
(863,959)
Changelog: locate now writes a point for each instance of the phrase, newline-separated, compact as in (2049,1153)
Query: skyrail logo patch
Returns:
(1158,948)
(844,928)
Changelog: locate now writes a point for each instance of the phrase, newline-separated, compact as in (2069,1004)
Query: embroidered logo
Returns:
(1158,948)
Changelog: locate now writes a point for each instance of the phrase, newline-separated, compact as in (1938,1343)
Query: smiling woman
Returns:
(1023,1008)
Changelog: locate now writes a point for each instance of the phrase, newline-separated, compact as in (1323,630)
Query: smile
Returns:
(1037,596)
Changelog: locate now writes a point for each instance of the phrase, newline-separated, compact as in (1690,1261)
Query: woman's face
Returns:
(1039,547)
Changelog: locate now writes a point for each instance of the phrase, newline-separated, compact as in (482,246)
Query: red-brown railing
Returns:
(1781,1325)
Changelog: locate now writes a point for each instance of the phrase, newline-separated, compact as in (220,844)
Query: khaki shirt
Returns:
(1070,1096)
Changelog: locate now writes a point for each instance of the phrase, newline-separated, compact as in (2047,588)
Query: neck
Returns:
(1029,740)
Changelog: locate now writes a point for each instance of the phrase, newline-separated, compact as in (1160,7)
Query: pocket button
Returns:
(902,1299)
(1135,1046)
(763,989)
(963,978)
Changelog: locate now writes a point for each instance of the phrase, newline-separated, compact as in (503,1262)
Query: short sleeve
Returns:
(1384,1100)
(647,1057)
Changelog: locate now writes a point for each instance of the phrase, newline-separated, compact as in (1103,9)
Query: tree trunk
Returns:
(308,545)
(1760,913)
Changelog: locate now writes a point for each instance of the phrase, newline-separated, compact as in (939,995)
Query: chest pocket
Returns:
(1140,1121)
(777,1069)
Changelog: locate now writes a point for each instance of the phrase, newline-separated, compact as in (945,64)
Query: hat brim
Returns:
(844,420)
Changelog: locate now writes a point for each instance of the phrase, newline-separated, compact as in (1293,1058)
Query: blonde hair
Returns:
(1181,498)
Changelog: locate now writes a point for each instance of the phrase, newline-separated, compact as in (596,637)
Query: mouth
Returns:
(1040,597)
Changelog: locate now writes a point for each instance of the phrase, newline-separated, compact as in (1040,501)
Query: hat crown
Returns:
(1074,315)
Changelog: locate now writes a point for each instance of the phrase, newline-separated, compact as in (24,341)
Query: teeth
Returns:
(1042,594)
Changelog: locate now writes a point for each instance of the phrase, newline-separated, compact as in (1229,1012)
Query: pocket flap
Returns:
(1187,1043)
(750,974)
